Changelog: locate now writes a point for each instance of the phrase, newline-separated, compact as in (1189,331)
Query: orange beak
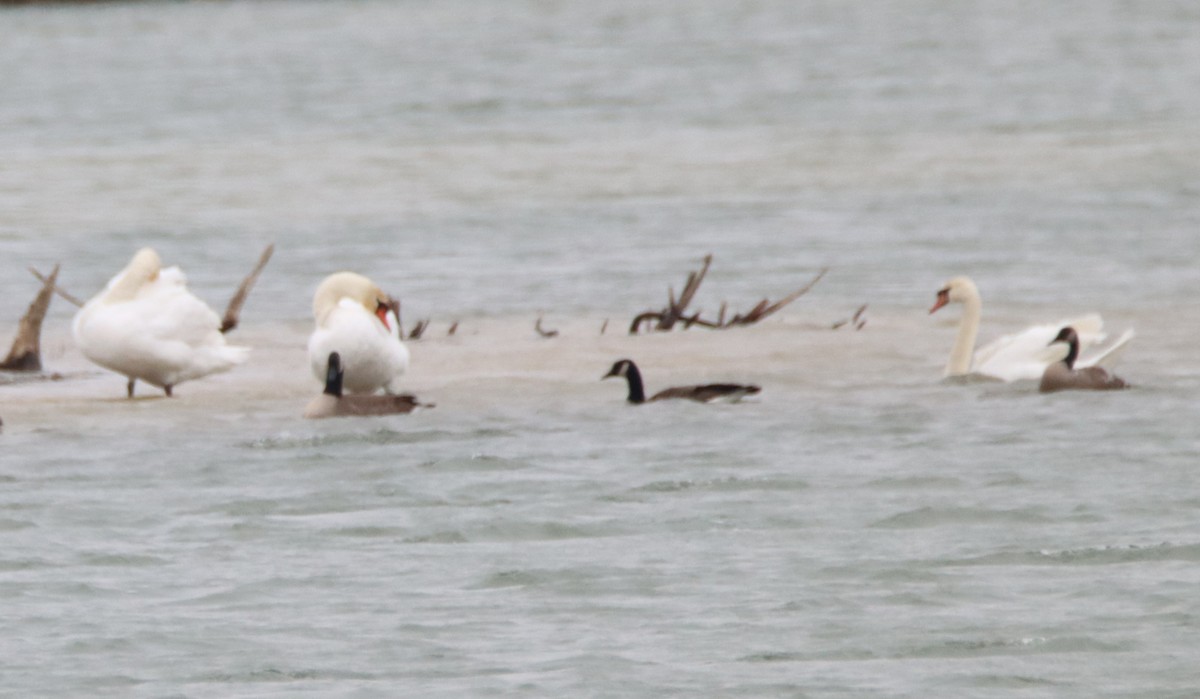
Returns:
(381,312)
(943,298)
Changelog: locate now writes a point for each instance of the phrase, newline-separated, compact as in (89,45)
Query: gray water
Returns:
(864,529)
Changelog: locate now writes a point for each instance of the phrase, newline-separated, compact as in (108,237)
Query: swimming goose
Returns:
(1022,355)
(729,392)
(332,403)
(354,318)
(1062,375)
(147,325)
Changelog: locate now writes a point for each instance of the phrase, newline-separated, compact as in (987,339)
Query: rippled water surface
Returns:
(862,529)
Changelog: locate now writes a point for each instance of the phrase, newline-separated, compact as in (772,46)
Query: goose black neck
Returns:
(333,376)
(637,393)
(1073,354)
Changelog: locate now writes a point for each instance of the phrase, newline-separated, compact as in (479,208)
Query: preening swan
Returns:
(354,319)
(707,393)
(1062,375)
(147,325)
(332,403)
(1022,355)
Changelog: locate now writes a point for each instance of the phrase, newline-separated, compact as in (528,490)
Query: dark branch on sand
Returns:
(26,354)
(676,311)
(234,309)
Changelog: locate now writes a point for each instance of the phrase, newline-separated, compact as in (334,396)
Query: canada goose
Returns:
(729,392)
(332,403)
(1021,355)
(147,325)
(352,318)
(1062,375)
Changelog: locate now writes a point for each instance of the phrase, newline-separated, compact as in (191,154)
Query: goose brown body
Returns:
(706,393)
(332,403)
(1063,376)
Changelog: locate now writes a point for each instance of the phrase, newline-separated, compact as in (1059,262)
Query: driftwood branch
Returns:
(765,308)
(57,289)
(234,309)
(676,310)
(26,353)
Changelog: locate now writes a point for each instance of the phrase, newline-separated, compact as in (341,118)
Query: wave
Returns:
(1099,555)
(381,436)
(939,516)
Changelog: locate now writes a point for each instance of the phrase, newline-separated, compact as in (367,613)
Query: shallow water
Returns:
(863,529)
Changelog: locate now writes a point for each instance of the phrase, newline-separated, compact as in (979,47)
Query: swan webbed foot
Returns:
(129,388)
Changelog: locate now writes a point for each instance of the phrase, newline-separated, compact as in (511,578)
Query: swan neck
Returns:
(964,342)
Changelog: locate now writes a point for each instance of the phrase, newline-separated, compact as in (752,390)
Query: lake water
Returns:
(862,529)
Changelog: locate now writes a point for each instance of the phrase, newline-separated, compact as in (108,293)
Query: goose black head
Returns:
(619,368)
(1069,336)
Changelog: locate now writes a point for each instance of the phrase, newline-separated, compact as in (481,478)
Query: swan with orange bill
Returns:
(355,319)
(1021,355)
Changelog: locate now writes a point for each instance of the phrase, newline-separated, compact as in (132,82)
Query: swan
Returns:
(332,403)
(1021,355)
(703,394)
(147,325)
(354,318)
(1062,375)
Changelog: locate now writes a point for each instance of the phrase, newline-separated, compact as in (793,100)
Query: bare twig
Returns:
(858,320)
(453,329)
(234,309)
(57,289)
(419,329)
(26,354)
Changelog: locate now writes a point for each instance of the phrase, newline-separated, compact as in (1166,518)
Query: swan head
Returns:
(141,270)
(1071,338)
(348,285)
(957,290)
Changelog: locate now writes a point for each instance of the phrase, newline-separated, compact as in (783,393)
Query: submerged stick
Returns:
(234,309)
(26,354)
(544,333)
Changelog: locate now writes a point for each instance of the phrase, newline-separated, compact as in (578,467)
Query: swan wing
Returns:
(1108,357)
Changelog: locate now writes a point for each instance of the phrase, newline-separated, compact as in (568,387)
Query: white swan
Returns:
(354,319)
(1022,355)
(147,325)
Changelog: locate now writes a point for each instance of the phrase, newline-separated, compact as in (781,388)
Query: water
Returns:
(862,530)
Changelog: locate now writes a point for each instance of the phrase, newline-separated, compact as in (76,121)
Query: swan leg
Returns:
(129,387)
(168,390)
